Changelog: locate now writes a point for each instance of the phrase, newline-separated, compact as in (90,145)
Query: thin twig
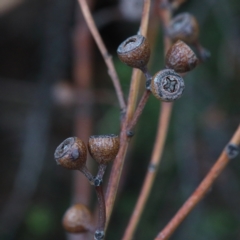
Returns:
(139,109)
(106,56)
(202,189)
(152,169)
(124,139)
(166,109)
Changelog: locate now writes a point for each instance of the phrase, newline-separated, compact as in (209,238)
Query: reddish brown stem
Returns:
(139,110)
(166,109)
(119,160)
(164,118)
(201,190)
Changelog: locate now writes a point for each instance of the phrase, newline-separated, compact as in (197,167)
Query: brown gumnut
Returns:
(183,26)
(77,219)
(181,58)
(134,51)
(167,85)
(103,148)
(71,153)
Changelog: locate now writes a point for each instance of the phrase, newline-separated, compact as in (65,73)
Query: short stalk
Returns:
(87,174)
(101,170)
(99,233)
(148,77)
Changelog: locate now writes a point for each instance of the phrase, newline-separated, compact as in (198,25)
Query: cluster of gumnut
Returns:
(166,85)
(72,154)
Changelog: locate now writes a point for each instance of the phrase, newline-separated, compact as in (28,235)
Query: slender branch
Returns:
(203,188)
(166,109)
(152,169)
(115,176)
(124,139)
(145,17)
(106,56)
(139,109)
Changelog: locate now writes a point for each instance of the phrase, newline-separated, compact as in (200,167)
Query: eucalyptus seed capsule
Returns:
(134,51)
(181,58)
(71,153)
(167,85)
(183,26)
(77,219)
(103,148)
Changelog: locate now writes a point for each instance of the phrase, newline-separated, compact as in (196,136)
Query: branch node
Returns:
(152,167)
(99,235)
(97,182)
(232,150)
(130,133)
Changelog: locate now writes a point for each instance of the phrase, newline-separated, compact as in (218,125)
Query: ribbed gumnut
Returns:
(71,153)
(181,58)
(103,148)
(134,51)
(183,26)
(167,85)
(77,219)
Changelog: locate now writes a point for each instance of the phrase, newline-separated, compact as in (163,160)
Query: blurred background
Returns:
(54,84)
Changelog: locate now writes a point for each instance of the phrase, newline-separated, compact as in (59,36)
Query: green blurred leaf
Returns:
(39,220)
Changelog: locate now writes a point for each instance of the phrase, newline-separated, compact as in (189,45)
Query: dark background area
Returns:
(38,111)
